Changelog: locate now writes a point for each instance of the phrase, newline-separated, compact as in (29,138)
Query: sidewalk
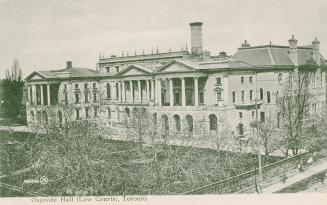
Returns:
(308,172)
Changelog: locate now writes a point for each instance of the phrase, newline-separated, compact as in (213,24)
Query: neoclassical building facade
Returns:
(193,86)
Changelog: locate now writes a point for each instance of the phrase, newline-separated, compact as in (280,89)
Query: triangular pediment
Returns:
(176,66)
(35,76)
(133,71)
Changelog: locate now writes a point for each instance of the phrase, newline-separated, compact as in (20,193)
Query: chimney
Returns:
(316,54)
(69,64)
(245,44)
(196,38)
(293,50)
(222,54)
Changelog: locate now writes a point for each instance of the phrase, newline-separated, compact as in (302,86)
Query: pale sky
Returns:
(44,34)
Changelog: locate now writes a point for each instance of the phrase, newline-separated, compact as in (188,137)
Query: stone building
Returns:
(175,87)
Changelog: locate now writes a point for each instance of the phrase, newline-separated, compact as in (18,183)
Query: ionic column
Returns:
(29,94)
(131,90)
(42,99)
(171,93)
(123,96)
(183,92)
(152,90)
(48,93)
(148,90)
(196,92)
(119,91)
(158,85)
(34,94)
(139,90)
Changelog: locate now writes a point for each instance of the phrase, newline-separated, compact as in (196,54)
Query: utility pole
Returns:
(258,137)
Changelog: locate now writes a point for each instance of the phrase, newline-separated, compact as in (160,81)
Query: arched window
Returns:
(135,114)
(240,129)
(45,117)
(127,112)
(108,91)
(59,117)
(213,122)
(189,120)
(32,116)
(177,120)
(165,124)
(261,94)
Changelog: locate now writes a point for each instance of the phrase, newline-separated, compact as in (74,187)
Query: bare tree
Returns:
(294,104)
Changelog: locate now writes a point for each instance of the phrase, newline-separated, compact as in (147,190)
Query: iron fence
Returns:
(246,182)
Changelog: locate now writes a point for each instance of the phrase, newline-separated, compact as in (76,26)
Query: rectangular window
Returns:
(76,86)
(95,112)
(268,97)
(262,117)
(65,86)
(108,91)
(108,69)
(242,79)
(242,95)
(251,79)
(253,114)
(66,98)
(77,114)
(234,96)
(251,95)
(201,96)
(86,112)
(241,115)
(86,97)
(218,81)
(176,98)
(117,68)
(94,97)
(94,85)
(117,90)
(85,85)
(219,96)
(76,98)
